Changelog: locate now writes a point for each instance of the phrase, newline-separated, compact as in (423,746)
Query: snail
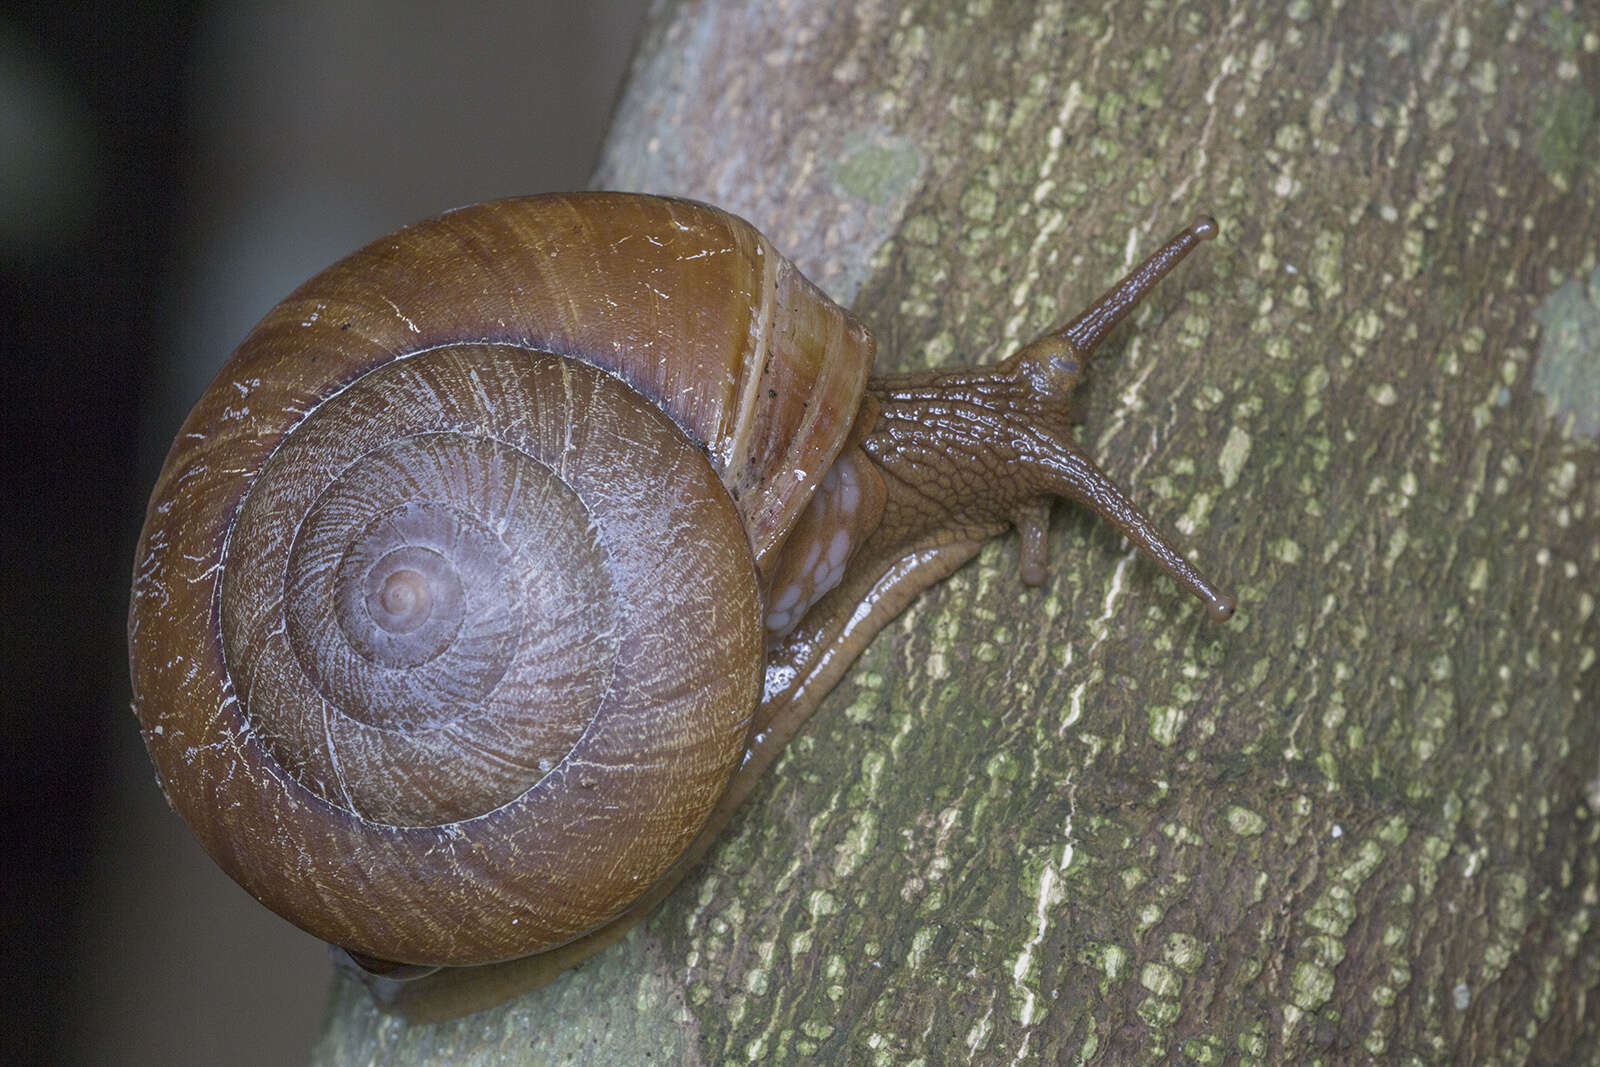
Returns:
(503,556)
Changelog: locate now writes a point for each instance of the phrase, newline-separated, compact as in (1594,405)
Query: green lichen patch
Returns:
(1567,373)
(1565,125)
(880,170)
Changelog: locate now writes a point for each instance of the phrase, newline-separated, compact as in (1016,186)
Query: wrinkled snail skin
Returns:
(504,555)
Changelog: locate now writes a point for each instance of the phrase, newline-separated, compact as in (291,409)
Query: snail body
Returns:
(503,556)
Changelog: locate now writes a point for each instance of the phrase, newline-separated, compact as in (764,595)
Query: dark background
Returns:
(169,171)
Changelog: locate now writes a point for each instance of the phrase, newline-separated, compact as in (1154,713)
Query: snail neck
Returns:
(962,451)
(965,453)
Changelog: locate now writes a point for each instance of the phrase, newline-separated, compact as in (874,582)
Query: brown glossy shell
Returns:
(444,642)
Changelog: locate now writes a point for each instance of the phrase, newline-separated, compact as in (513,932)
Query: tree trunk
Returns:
(1083,824)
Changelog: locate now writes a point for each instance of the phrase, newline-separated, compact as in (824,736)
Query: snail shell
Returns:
(447,629)
(503,556)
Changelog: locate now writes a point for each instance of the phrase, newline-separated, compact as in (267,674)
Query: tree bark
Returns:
(1083,824)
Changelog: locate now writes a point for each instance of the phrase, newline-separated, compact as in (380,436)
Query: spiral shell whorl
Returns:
(464,630)
(503,636)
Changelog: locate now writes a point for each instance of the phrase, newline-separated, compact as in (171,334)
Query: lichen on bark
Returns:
(1082,824)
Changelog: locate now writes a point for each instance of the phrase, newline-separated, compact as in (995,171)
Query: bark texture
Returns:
(1082,824)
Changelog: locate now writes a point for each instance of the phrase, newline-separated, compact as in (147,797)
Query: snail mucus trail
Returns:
(503,556)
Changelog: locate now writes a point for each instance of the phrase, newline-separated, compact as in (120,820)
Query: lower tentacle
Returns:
(1064,470)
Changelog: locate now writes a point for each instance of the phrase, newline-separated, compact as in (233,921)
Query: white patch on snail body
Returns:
(838,548)
(850,492)
(830,532)
(787,599)
(812,555)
